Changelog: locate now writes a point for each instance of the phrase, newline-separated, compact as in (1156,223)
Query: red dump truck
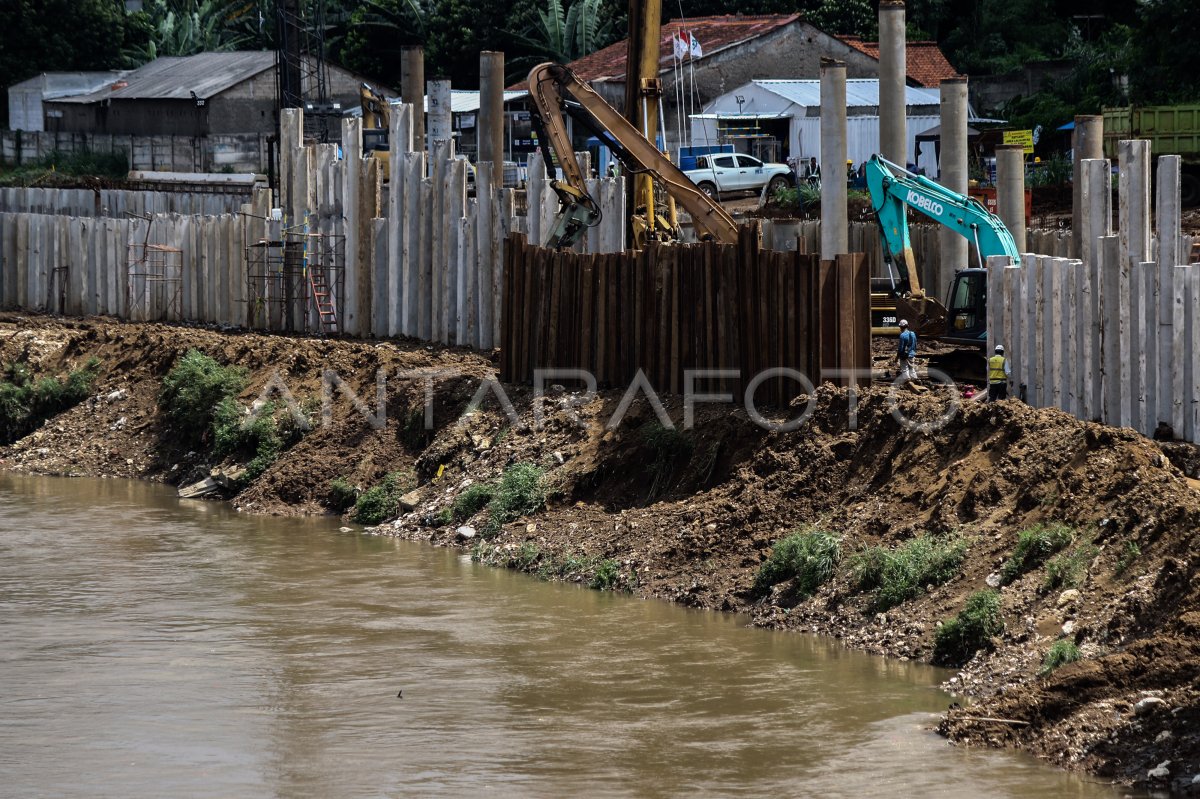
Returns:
(1171,129)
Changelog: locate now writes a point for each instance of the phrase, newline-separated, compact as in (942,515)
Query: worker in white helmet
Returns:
(907,352)
(999,372)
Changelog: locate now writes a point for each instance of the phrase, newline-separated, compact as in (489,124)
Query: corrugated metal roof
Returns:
(63,84)
(177,77)
(859,92)
(464,101)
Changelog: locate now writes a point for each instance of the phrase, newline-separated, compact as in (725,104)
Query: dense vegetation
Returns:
(1116,51)
(25,402)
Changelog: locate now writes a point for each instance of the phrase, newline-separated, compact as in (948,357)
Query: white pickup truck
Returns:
(725,173)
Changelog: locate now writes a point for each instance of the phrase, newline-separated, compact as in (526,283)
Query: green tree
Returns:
(187,27)
(565,34)
(455,34)
(376,31)
(1166,63)
(50,35)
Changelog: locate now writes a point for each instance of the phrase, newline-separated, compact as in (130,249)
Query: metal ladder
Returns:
(327,321)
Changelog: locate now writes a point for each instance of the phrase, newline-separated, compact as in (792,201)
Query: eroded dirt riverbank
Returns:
(690,517)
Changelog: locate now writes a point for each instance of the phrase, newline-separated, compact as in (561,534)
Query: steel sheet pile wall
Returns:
(666,310)
(1115,337)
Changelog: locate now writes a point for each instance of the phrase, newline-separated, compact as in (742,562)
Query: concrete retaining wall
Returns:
(117,203)
(425,264)
(1114,338)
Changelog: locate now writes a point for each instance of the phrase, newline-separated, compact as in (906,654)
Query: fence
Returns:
(239,152)
(119,203)
(667,310)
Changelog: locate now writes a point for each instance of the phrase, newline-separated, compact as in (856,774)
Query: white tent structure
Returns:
(792,108)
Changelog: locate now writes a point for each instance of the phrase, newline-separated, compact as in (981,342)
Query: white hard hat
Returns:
(903,323)
(999,348)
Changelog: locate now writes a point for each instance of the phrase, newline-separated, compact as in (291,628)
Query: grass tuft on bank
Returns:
(899,574)
(958,639)
(382,501)
(1035,546)
(25,402)
(809,557)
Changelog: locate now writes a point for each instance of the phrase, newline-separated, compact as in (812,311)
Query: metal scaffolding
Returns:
(295,279)
(153,278)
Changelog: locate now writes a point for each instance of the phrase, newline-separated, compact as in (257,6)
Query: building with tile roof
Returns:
(736,49)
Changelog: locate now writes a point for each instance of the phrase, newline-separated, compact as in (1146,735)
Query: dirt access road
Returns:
(690,517)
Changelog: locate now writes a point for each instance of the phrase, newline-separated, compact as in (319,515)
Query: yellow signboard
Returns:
(1022,137)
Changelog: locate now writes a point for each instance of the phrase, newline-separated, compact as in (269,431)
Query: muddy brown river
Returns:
(157,647)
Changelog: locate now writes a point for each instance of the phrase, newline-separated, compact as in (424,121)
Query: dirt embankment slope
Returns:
(691,517)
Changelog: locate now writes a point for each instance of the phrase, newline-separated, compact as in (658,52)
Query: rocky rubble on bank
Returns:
(691,516)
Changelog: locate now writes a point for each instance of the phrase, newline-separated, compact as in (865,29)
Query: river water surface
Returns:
(158,647)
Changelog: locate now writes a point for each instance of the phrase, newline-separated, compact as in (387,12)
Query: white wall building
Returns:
(784,116)
(25,98)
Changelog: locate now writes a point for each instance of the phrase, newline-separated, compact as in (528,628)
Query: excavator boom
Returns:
(551,87)
(894,189)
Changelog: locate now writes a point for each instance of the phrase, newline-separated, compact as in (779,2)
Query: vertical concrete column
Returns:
(1057,318)
(834,227)
(1010,190)
(1087,344)
(1031,331)
(1193,396)
(1011,338)
(291,137)
(997,310)
(1166,341)
(1068,341)
(439,112)
(1183,317)
(412,91)
(1087,142)
(1168,210)
(1114,329)
(952,173)
(491,113)
(893,134)
(352,215)
(1145,283)
(1133,191)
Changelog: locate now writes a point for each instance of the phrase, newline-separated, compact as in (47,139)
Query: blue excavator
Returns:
(962,320)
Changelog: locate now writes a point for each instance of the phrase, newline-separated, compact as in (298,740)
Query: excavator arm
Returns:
(894,189)
(555,89)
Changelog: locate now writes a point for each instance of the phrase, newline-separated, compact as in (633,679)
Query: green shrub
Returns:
(247,435)
(519,493)
(342,494)
(1068,569)
(382,502)
(471,501)
(897,575)
(1129,554)
(193,390)
(1034,546)
(809,557)
(1061,653)
(606,576)
(958,639)
(26,403)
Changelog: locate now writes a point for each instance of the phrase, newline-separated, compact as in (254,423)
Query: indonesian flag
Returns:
(686,44)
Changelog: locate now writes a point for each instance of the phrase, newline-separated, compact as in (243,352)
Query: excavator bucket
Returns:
(926,316)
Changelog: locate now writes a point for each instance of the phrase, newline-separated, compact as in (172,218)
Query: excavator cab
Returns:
(966,308)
